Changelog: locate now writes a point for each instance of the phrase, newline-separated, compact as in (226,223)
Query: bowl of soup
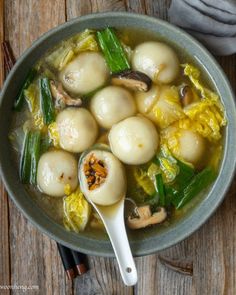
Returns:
(111,105)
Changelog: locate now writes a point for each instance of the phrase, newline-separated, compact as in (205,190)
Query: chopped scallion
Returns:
(113,51)
(35,153)
(46,101)
(21,97)
(159,185)
(30,157)
(25,160)
(199,182)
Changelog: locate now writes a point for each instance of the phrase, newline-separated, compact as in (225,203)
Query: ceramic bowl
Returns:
(153,239)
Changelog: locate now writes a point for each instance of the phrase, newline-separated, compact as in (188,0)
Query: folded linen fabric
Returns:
(213,22)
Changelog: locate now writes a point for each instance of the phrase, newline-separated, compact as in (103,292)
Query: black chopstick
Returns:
(73,262)
(80,262)
(67,261)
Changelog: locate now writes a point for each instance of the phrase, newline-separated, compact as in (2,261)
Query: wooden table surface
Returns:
(205,263)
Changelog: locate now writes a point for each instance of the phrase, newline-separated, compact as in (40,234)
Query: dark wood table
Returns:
(205,263)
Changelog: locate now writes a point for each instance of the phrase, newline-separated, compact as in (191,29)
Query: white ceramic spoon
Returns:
(113,219)
(111,215)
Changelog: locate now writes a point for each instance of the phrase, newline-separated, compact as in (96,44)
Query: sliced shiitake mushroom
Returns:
(63,99)
(186,95)
(134,80)
(145,217)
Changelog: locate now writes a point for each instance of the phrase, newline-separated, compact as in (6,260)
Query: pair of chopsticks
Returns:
(73,262)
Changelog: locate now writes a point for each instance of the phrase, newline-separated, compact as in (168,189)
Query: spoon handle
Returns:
(116,230)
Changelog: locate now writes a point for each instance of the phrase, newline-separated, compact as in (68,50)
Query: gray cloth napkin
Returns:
(213,22)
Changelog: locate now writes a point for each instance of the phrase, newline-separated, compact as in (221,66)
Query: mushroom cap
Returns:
(133,80)
(157,60)
(55,170)
(113,188)
(134,140)
(77,129)
(111,105)
(62,98)
(146,217)
(85,73)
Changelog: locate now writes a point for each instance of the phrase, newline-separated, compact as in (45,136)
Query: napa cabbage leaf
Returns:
(77,211)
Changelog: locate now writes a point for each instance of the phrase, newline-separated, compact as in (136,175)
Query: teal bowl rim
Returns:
(183,228)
